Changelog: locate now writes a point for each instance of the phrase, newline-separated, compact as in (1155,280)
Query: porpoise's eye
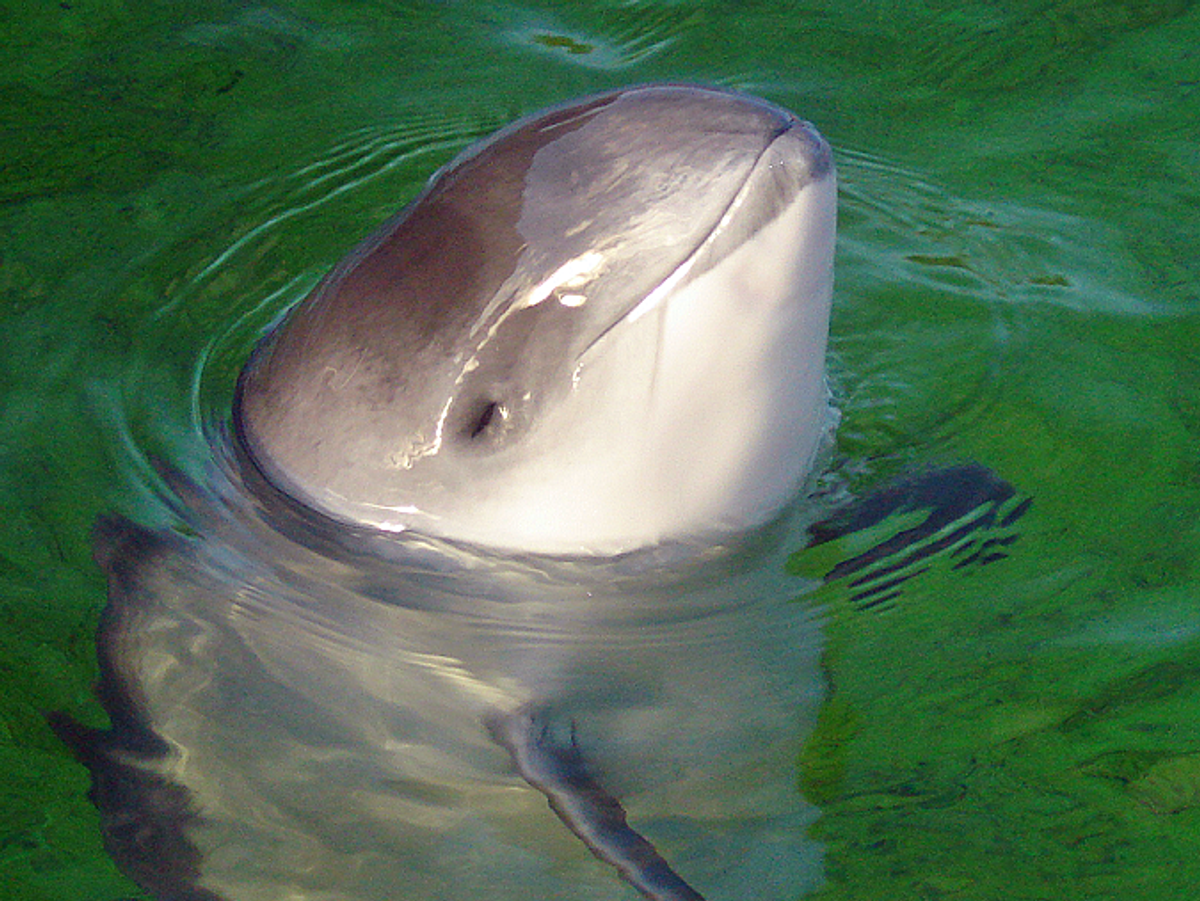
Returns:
(484,415)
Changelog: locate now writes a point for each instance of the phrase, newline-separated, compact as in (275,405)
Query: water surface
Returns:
(1017,285)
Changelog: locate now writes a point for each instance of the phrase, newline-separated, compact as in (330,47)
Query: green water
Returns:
(1018,284)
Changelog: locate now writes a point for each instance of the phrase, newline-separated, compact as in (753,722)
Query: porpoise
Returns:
(473,564)
(601,329)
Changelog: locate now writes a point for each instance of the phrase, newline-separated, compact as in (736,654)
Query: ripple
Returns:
(898,226)
(348,167)
(622,39)
(934,300)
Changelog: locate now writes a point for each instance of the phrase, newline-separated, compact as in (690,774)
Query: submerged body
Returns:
(295,719)
(484,540)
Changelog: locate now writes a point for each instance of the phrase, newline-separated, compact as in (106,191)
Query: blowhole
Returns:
(486,413)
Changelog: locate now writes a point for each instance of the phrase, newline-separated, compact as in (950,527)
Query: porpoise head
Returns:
(600,329)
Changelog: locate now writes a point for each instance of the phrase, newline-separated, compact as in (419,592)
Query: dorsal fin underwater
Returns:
(561,773)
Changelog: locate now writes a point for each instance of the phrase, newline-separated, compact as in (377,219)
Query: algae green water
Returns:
(1018,284)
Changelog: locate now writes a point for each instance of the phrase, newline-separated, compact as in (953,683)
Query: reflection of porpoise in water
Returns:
(484,516)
